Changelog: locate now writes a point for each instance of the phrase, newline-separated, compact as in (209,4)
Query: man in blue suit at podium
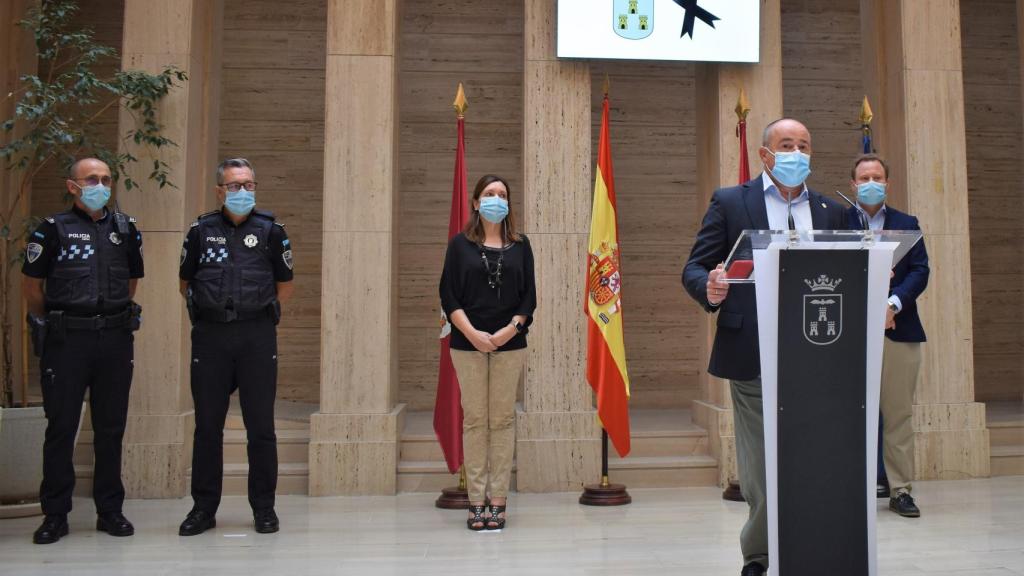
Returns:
(901,358)
(777,199)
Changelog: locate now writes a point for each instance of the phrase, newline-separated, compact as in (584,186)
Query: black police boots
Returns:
(115,524)
(265,521)
(197,522)
(53,527)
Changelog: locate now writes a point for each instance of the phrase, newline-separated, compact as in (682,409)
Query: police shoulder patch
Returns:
(287,257)
(33,251)
(196,223)
(132,219)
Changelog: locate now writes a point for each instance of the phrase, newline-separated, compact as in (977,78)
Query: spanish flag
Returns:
(606,353)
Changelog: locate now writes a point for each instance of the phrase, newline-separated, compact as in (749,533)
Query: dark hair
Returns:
(868,158)
(474,229)
(73,169)
(233,163)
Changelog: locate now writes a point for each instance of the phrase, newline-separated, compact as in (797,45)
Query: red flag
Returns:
(606,350)
(448,404)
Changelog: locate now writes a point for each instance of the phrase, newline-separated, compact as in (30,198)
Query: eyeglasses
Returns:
(95,180)
(236,186)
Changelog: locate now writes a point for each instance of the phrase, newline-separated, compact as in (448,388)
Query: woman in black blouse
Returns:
(488,293)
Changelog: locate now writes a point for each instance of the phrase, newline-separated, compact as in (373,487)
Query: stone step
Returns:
(425,448)
(664,471)
(1005,434)
(1007,460)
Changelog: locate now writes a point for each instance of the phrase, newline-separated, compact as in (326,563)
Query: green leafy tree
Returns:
(55,121)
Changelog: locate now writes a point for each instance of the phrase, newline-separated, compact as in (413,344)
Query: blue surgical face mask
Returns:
(240,203)
(871,193)
(95,197)
(791,168)
(494,209)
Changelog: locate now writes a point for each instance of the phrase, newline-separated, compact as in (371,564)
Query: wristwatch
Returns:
(517,326)
(892,306)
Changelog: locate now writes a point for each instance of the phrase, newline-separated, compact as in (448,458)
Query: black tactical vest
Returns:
(90,274)
(234,263)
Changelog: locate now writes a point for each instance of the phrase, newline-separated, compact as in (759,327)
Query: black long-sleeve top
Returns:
(464,285)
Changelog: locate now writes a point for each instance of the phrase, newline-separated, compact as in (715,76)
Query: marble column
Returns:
(914,78)
(558,438)
(718,89)
(354,437)
(185,34)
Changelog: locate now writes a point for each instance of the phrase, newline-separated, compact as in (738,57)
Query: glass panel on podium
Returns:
(739,266)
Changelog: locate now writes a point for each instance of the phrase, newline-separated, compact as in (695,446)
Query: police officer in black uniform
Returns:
(81,270)
(236,270)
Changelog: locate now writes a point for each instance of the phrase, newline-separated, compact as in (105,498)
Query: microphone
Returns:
(864,218)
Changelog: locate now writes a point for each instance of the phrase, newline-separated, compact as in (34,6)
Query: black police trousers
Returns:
(102,361)
(240,355)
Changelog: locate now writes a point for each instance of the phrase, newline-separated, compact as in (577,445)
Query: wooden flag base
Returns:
(453,498)
(732,493)
(605,494)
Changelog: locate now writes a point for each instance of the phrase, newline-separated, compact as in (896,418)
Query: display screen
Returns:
(700,30)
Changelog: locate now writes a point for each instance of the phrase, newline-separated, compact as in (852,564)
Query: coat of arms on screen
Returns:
(633,19)
(605,282)
(823,311)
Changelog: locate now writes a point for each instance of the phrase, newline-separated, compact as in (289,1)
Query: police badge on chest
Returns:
(115,239)
(250,241)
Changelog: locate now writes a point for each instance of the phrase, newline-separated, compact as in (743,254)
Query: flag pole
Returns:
(457,497)
(733,492)
(605,493)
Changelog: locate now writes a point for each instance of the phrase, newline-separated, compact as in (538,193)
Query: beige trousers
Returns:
(488,383)
(901,362)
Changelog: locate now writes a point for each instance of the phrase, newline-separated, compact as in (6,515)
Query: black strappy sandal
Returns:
(496,522)
(478,518)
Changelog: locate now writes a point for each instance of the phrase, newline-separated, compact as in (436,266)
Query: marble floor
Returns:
(968,528)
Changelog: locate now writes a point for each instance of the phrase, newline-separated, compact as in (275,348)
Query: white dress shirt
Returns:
(778,207)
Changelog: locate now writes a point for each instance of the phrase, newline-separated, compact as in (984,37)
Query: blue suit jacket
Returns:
(736,353)
(910,275)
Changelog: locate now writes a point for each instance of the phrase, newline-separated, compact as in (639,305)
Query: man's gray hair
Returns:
(233,163)
(766,137)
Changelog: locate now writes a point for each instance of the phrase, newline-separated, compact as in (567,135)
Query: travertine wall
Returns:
(272,112)
(992,102)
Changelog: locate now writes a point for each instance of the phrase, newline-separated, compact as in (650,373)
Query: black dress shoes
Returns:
(903,504)
(753,569)
(266,521)
(53,527)
(115,524)
(197,522)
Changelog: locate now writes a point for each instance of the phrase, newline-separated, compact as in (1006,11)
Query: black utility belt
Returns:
(94,323)
(227,315)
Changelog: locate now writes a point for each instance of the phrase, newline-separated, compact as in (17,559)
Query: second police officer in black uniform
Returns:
(236,270)
(81,269)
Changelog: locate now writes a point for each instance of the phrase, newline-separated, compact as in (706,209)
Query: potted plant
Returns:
(54,121)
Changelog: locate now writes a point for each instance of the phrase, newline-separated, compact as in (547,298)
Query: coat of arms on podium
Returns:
(823,311)
(633,19)
(605,281)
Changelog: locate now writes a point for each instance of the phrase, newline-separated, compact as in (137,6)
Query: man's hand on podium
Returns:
(717,290)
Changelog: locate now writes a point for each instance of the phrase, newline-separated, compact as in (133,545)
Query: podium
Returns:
(821,307)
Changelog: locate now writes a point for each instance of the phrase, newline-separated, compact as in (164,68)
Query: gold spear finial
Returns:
(607,84)
(865,112)
(460,102)
(742,106)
